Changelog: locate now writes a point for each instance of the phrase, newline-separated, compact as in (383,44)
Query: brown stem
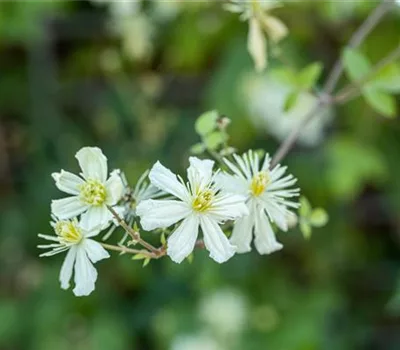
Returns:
(124,249)
(333,78)
(135,235)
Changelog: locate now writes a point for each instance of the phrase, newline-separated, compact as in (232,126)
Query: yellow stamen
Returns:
(68,231)
(259,183)
(93,192)
(202,201)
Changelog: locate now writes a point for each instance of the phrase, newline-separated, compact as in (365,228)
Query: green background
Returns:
(66,83)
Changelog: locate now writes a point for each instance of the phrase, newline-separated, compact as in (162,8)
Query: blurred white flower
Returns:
(265,97)
(136,34)
(90,193)
(199,203)
(260,22)
(200,341)
(82,253)
(225,312)
(268,199)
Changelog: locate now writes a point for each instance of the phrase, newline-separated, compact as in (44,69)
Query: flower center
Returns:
(259,183)
(93,192)
(68,231)
(203,201)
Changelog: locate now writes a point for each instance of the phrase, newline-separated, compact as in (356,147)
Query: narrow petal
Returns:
(275,28)
(215,240)
(161,213)
(67,208)
(165,180)
(256,45)
(276,212)
(95,251)
(114,188)
(96,217)
(242,233)
(200,172)
(67,267)
(181,243)
(85,273)
(265,240)
(93,163)
(67,182)
(228,207)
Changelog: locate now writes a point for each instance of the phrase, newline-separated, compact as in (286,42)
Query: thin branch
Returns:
(356,40)
(123,249)
(325,98)
(135,235)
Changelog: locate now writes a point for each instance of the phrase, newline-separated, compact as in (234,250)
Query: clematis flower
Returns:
(82,253)
(90,193)
(260,23)
(268,196)
(199,203)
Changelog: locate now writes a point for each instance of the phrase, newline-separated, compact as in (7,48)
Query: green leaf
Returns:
(190,258)
(290,101)
(146,262)
(380,101)
(305,207)
(163,240)
(305,229)
(206,123)
(308,76)
(139,256)
(198,148)
(215,139)
(285,75)
(356,64)
(319,217)
(388,79)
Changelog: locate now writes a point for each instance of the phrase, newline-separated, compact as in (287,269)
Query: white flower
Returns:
(264,97)
(201,341)
(82,253)
(90,194)
(267,192)
(260,22)
(225,312)
(199,203)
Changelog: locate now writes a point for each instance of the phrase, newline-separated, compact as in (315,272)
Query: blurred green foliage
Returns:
(67,82)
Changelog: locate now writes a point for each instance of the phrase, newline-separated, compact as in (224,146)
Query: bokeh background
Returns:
(132,79)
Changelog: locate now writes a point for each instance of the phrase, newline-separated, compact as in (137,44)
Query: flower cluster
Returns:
(244,194)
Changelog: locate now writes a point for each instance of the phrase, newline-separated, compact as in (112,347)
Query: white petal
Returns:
(114,188)
(215,240)
(67,208)
(95,250)
(161,213)
(232,183)
(275,28)
(228,207)
(165,180)
(85,273)
(242,233)
(276,212)
(265,240)
(93,163)
(256,44)
(199,172)
(67,182)
(67,267)
(181,243)
(95,217)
